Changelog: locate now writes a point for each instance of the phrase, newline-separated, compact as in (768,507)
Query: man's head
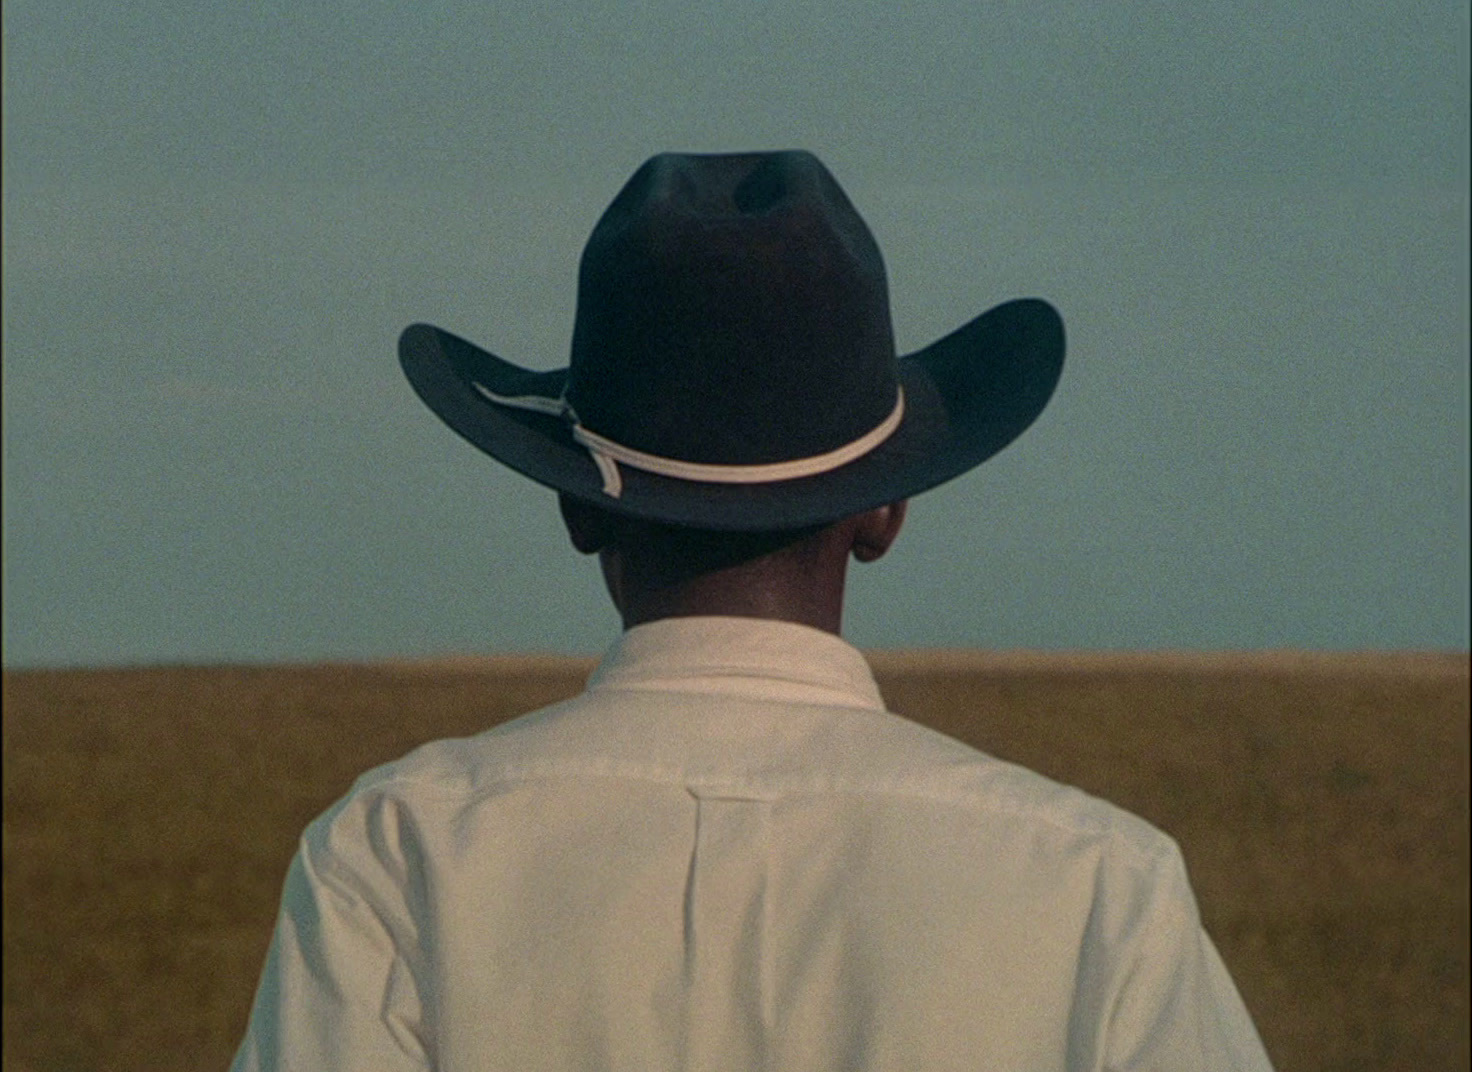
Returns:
(733,371)
(655,570)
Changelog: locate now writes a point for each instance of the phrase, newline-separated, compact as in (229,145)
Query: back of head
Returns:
(658,570)
(733,370)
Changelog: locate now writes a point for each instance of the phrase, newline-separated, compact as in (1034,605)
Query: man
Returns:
(726,854)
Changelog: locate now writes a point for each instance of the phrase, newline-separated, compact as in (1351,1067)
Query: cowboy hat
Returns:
(733,363)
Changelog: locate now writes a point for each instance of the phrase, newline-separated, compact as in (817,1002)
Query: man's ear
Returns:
(876,530)
(589,528)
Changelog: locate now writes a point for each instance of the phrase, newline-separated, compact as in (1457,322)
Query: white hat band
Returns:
(606,453)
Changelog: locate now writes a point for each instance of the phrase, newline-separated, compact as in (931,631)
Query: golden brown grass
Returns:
(1321,801)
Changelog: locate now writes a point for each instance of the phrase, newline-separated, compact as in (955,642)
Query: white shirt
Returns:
(726,854)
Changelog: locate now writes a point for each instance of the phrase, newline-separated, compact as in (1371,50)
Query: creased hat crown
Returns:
(732,309)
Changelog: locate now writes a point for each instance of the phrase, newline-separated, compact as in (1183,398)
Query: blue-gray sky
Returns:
(1253,217)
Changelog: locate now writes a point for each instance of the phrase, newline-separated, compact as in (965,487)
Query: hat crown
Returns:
(732,309)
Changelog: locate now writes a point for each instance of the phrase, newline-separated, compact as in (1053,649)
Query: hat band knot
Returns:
(607,454)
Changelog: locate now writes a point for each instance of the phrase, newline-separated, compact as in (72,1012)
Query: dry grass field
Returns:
(1321,801)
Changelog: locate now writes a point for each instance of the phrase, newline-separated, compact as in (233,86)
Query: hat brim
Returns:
(967,396)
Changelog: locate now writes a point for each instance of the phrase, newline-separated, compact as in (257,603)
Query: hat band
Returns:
(606,453)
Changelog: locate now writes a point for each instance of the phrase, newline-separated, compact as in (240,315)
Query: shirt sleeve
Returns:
(339,987)
(1172,1007)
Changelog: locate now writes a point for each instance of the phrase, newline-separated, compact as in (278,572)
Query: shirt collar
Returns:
(757,658)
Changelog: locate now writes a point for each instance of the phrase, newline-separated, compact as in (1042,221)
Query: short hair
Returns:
(687,551)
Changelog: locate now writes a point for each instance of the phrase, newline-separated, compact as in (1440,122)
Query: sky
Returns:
(218,218)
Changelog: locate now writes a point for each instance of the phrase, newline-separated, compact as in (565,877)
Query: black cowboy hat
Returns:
(733,362)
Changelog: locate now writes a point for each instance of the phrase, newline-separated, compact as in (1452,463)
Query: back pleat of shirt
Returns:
(727,950)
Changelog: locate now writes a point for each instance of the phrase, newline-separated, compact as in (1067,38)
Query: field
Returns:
(1321,802)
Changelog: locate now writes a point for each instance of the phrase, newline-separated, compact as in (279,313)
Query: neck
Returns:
(803,584)
(700,602)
